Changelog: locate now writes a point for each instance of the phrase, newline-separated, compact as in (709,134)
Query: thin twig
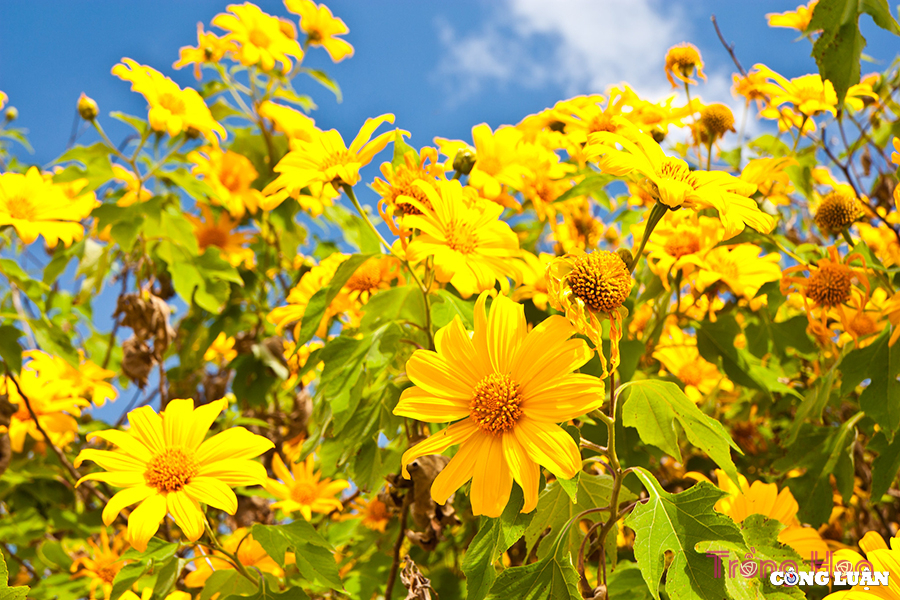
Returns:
(395,565)
(730,48)
(73,472)
(28,567)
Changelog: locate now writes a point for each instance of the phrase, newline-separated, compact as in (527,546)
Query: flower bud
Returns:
(192,133)
(626,256)
(12,113)
(464,161)
(87,108)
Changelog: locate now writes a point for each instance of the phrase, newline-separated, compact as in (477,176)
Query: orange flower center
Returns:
(172,103)
(829,285)
(212,236)
(690,373)
(683,59)
(108,572)
(495,406)
(20,207)
(258,38)
(171,470)
(681,243)
(837,211)
(367,278)
(601,122)
(304,493)
(461,238)
(862,324)
(601,280)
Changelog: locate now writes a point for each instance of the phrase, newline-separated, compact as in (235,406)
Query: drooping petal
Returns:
(144,521)
(525,471)
(550,446)
(459,470)
(123,499)
(456,433)
(187,514)
(492,480)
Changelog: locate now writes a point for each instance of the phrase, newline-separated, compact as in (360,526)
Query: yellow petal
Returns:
(424,406)
(549,446)
(436,375)
(235,443)
(111,461)
(525,471)
(458,471)
(213,492)
(187,514)
(235,472)
(491,480)
(147,427)
(123,499)
(144,521)
(456,433)
(125,441)
(569,397)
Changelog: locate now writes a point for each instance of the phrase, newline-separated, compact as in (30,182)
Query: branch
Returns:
(730,48)
(395,565)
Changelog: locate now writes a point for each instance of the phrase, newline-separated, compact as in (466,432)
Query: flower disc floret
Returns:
(496,404)
(717,119)
(829,285)
(601,279)
(839,209)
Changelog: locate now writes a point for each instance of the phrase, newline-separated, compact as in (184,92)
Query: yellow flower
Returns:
(497,159)
(163,463)
(399,185)
(221,348)
(54,402)
(374,513)
(172,109)
(589,288)
(134,191)
(300,489)
(770,178)
(88,380)
(230,175)
(680,357)
(3,99)
(35,206)
(325,159)
(895,155)
(838,210)
(471,246)
(765,499)
(677,236)
(321,28)
(218,231)
(830,285)
(788,119)
(681,60)
(210,49)
(296,361)
(258,36)
(753,86)
(100,563)
(504,408)
(674,184)
(579,229)
(534,285)
(292,123)
(808,94)
(882,240)
(882,558)
(740,267)
(798,19)
(249,552)
(298,298)
(862,324)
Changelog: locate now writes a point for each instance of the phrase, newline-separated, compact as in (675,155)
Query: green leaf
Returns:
(323,78)
(139,124)
(228,582)
(653,407)
(676,523)
(157,554)
(555,508)
(881,399)
(264,593)
(315,310)
(401,148)
(552,577)
(6,591)
(10,349)
(397,304)
(495,536)
(627,583)
(885,467)
(95,160)
(593,184)
(314,555)
(445,307)
(881,14)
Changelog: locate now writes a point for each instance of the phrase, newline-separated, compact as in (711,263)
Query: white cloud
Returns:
(578,46)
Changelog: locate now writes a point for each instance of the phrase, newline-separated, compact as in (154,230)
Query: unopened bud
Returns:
(464,161)
(87,108)
(658,135)
(12,113)
(625,255)
(192,133)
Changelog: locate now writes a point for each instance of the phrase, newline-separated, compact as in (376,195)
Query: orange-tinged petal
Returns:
(424,406)
(492,479)
(569,397)
(456,433)
(434,374)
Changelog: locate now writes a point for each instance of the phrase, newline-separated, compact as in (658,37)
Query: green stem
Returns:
(215,545)
(656,213)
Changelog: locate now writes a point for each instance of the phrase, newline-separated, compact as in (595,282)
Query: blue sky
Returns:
(441,67)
